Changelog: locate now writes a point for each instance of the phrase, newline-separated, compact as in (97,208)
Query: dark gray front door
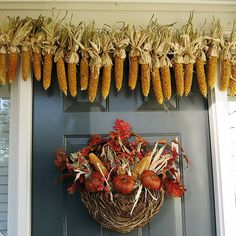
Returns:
(68,122)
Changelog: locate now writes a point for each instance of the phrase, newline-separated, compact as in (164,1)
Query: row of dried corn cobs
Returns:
(154,49)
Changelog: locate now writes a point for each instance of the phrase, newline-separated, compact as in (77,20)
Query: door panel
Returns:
(68,123)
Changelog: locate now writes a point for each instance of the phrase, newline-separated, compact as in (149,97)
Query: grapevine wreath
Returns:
(122,178)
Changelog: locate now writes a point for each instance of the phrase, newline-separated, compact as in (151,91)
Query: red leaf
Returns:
(122,126)
(73,187)
(174,188)
(96,139)
(61,159)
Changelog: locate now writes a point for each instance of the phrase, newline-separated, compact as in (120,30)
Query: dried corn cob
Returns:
(232,83)
(156,83)
(3,73)
(179,78)
(145,79)
(37,66)
(188,78)
(84,73)
(26,61)
(61,75)
(119,70)
(47,70)
(201,77)
(106,81)
(225,74)
(142,165)
(72,79)
(133,72)
(97,163)
(93,84)
(166,81)
(12,66)
(211,72)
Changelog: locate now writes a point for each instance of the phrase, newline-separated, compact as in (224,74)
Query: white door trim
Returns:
(19,173)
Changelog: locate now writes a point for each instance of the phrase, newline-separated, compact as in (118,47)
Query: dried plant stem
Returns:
(84,73)
(61,75)
(225,74)
(37,66)
(47,70)
(232,83)
(211,71)
(26,63)
(145,79)
(106,81)
(188,78)
(133,72)
(3,72)
(119,70)
(201,77)
(72,79)
(166,81)
(93,84)
(12,66)
(179,78)
(156,83)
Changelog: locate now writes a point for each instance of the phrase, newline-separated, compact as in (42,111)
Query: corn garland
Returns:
(179,78)
(225,74)
(3,63)
(84,73)
(26,61)
(37,65)
(72,79)
(156,84)
(201,77)
(166,82)
(118,72)
(47,70)
(232,83)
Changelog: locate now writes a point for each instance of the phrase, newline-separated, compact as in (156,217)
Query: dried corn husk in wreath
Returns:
(19,30)
(200,61)
(37,38)
(158,45)
(120,42)
(165,63)
(60,64)
(107,48)
(4,40)
(189,43)
(232,49)
(51,30)
(95,65)
(72,58)
(137,38)
(146,61)
(213,52)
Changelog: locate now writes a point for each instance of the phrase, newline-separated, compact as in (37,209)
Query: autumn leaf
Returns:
(61,159)
(174,188)
(73,188)
(96,139)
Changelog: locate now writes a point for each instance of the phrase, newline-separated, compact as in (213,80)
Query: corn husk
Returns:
(95,65)
(137,38)
(107,49)
(120,43)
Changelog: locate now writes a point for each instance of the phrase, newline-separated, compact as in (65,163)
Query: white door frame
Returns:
(19,186)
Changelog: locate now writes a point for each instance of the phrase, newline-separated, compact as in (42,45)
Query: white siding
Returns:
(4,155)
(232,127)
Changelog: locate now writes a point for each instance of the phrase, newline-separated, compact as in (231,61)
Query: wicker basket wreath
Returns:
(122,178)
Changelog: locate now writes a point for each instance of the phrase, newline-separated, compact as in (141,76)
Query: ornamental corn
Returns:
(179,78)
(188,78)
(3,72)
(26,61)
(166,81)
(142,165)
(84,73)
(12,66)
(225,74)
(106,81)
(211,71)
(133,72)
(61,75)
(97,163)
(156,84)
(93,84)
(47,70)
(232,83)
(72,79)
(119,70)
(145,79)
(37,66)
(201,77)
